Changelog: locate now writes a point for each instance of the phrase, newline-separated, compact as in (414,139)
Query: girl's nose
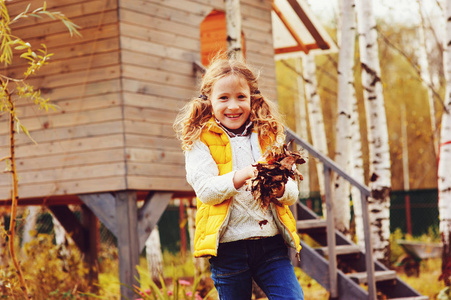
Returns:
(233,104)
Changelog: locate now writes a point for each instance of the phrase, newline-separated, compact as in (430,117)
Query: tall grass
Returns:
(56,272)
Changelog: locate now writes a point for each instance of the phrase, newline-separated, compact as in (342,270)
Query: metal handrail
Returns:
(364,193)
(327,161)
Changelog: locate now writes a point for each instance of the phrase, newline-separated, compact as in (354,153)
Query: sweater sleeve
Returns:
(291,194)
(202,174)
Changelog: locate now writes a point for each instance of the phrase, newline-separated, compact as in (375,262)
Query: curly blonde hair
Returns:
(197,112)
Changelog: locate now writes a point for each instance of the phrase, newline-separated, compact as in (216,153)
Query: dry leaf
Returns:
(274,173)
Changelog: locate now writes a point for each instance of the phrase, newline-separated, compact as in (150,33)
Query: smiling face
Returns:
(231,101)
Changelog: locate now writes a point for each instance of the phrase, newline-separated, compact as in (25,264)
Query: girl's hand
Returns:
(243,175)
(280,191)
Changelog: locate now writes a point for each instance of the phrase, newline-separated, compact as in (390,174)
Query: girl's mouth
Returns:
(234,116)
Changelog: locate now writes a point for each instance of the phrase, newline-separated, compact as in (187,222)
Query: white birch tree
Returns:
(29,225)
(60,232)
(357,171)
(379,154)
(315,115)
(344,110)
(444,170)
(425,73)
(233,26)
(301,128)
(153,255)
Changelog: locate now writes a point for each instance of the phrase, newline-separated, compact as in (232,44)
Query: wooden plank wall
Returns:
(80,146)
(119,87)
(160,40)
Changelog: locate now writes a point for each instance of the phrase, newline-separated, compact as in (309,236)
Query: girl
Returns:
(224,132)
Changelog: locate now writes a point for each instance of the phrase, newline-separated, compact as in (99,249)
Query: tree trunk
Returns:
(344,110)
(379,154)
(30,224)
(233,25)
(425,74)
(301,129)
(357,171)
(315,114)
(444,170)
(60,232)
(154,256)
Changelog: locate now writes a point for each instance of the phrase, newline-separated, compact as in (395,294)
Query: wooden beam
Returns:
(71,224)
(150,213)
(127,240)
(47,201)
(308,24)
(103,206)
(290,29)
(91,257)
(295,48)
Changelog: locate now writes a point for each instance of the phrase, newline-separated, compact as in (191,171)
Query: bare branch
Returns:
(5,158)
(325,89)
(417,70)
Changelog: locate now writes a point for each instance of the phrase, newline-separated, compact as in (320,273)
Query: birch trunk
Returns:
(344,109)
(315,116)
(357,171)
(301,129)
(233,25)
(444,170)
(153,255)
(30,224)
(60,232)
(425,73)
(379,155)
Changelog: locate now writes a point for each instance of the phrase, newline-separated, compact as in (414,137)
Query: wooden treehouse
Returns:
(110,147)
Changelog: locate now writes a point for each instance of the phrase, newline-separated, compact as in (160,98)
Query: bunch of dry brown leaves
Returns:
(274,173)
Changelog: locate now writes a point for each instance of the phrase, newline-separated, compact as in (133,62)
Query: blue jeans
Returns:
(265,260)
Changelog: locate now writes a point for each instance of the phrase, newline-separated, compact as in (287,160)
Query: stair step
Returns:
(362,277)
(412,298)
(311,224)
(340,250)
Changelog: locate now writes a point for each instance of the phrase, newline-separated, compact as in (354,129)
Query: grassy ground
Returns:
(429,273)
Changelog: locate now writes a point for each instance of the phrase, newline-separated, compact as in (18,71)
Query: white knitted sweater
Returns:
(247,218)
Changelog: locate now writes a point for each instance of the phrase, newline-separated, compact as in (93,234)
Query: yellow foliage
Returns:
(50,271)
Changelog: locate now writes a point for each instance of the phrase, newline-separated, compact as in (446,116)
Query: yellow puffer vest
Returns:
(211,220)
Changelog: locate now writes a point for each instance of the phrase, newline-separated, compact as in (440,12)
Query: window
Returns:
(213,36)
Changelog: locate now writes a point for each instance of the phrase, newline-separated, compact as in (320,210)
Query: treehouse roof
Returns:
(296,31)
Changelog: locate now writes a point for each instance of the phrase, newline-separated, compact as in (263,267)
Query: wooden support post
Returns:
(71,224)
(91,224)
(149,214)
(85,235)
(127,240)
(333,281)
(368,249)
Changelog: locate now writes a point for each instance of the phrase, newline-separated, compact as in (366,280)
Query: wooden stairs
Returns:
(338,264)
(351,266)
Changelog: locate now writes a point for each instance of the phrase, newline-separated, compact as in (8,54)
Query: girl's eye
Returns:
(223,97)
(242,97)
